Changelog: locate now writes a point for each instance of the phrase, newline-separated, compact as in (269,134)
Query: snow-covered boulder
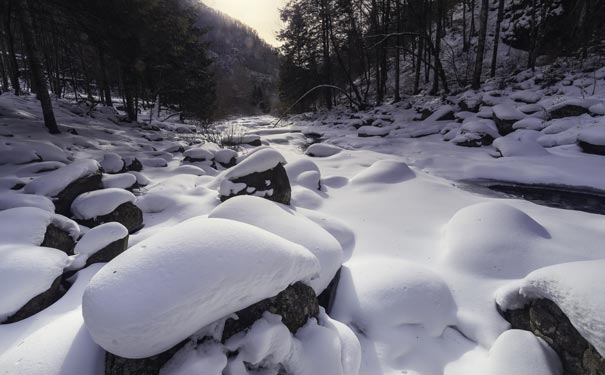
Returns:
(505,116)
(65,184)
(14,200)
(494,239)
(373,131)
(520,143)
(530,123)
(384,172)
(112,163)
(143,302)
(126,181)
(198,154)
(559,304)
(476,133)
(100,244)
(226,157)
(238,140)
(285,222)
(592,139)
(322,150)
(261,174)
(30,280)
(155,162)
(526,96)
(107,205)
(570,108)
(38,227)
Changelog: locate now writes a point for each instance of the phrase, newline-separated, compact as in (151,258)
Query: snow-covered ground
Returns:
(424,260)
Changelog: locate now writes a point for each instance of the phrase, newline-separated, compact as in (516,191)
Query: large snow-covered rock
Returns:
(107,205)
(14,200)
(143,302)
(261,174)
(100,244)
(322,150)
(65,184)
(505,116)
(384,172)
(112,163)
(27,272)
(476,133)
(285,222)
(520,143)
(592,139)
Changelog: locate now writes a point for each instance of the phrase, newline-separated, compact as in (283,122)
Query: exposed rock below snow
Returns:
(322,150)
(133,164)
(57,238)
(592,139)
(65,184)
(295,305)
(505,116)
(30,280)
(569,108)
(261,174)
(237,140)
(143,302)
(226,157)
(127,214)
(476,133)
(100,244)
(100,202)
(294,227)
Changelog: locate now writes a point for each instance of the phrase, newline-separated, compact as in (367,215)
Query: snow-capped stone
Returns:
(373,131)
(495,239)
(29,225)
(25,272)
(154,162)
(226,157)
(571,287)
(260,161)
(530,123)
(570,108)
(100,202)
(505,116)
(384,172)
(10,154)
(100,244)
(520,143)
(143,302)
(285,222)
(119,181)
(476,133)
(597,109)
(592,139)
(322,150)
(14,200)
(526,96)
(53,183)
(300,166)
(198,154)
(112,163)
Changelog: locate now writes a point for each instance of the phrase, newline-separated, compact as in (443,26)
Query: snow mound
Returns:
(595,135)
(14,155)
(520,143)
(119,181)
(96,239)
(320,347)
(530,123)
(379,294)
(154,162)
(52,183)
(572,287)
(285,222)
(310,179)
(198,154)
(384,172)
(112,163)
(526,96)
(494,239)
(260,161)
(372,131)
(521,353)
(14,200)
(507,112)
(31,170)
(27,225)
(155,202)
(99,202)
(144,302)
(322,150)
(225,155)
(25,272)
(190,169)
(299,167)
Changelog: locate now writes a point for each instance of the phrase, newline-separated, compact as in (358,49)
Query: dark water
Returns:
(557,196)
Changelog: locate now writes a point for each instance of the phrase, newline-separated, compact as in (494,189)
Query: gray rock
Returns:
(115,365)
(568,110)
(126,214)
(108,252)
(58,239)
(546,320)
(256,182)
(589,148)
(39,302)
(82,185)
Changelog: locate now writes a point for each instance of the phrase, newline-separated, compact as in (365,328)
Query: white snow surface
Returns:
(52,183)
(100,202)
(144,302)
(571,287)
(287,223)
(14,200)
(27,225)
(595,135)
(25,272)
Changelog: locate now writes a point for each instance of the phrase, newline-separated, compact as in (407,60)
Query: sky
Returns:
(262,15)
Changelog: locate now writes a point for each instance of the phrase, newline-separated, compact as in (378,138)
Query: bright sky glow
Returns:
(262,15)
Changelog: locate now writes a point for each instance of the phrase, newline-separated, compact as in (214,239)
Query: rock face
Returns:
(591,149)
(126,214)
(567,110)
(108,252)
(296,304)
(39,302)
(546,320)
(58,239)
(82,185)
(256,184)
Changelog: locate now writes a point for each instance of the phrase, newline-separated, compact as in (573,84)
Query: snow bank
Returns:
(321,150)
(14,200)
(144,301)
(572,287)
(285,222)
(96,239)
(27,225)
(384,172)
(52,183)
(100,202)
(25,272)
(260,161)
(521,353)
(494,239)
(595,135)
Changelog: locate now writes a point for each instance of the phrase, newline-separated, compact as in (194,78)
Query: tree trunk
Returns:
(13,66)
(497,38)
(480,45)
(397,98)
(37,74)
